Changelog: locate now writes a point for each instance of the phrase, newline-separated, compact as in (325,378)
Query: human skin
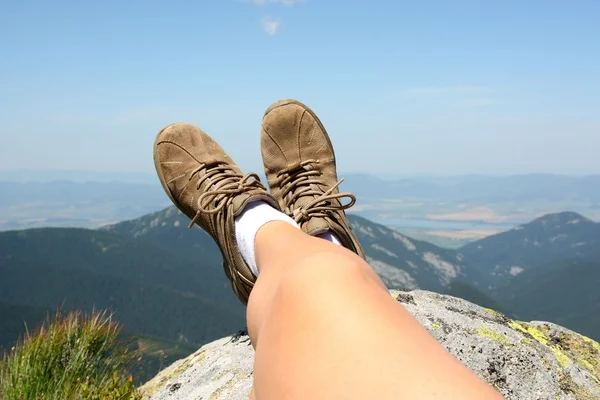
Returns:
(324,326)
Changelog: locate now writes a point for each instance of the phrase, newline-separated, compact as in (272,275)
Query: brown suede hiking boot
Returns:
(208,187)
(300,167)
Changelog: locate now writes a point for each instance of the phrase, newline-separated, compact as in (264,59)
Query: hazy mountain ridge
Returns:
(120,265)
(107,254)
(401,261)
(406,263)
(155,292)
(367,185)
(550,238)
(167,230)
(14,318)
(31,199)
(548,269)
(563,292)
(477,187)
(75,204)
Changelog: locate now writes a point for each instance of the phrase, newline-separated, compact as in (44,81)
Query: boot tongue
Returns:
(243,199)
(316,224)
(319,225)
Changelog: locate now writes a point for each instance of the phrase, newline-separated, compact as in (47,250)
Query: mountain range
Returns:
(477,187)
(465,187)
(548,269)
(551,238)
(166,281)
(143,268)
(31,199)
(155,292)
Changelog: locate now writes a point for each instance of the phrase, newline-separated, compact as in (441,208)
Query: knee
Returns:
(326,272)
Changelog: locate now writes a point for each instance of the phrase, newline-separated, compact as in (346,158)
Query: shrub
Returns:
(77,356)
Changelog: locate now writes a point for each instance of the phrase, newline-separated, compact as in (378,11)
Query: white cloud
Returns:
(271,25)
(288,3)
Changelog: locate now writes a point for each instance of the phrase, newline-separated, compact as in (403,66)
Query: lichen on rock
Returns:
(522,360)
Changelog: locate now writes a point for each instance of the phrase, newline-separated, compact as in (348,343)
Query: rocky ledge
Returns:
(523,360)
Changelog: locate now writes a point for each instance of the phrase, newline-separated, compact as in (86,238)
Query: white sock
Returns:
(332,237)
(247,224)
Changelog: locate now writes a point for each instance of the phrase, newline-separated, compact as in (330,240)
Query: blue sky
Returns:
(403,87)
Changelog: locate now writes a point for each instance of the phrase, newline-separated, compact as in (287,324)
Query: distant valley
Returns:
(447,211)
(75,204)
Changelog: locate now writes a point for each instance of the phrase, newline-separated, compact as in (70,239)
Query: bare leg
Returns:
(325,327)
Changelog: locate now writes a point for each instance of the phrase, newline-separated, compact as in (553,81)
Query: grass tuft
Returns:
(73,356)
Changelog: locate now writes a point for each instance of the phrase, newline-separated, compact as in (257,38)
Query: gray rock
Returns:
(535,360)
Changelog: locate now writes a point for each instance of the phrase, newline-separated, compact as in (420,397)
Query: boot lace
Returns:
(226,184)
(297,180)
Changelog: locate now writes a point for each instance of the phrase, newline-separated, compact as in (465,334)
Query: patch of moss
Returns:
(486,331)
(542,338)
(435,326)
(585,351)
(592,342)
(586,364)
(490,311)
(530,330)
(567,385)
(527,341)
(562,359)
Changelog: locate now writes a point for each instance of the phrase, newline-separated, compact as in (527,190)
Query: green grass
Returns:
(73,356)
